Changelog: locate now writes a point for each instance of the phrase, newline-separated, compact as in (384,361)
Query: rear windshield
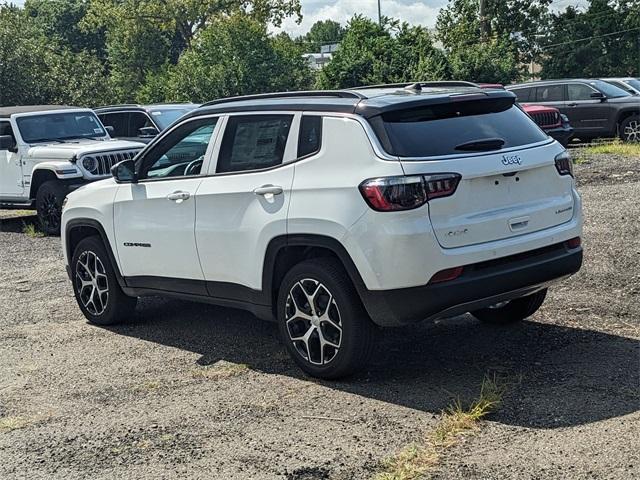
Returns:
(456,128)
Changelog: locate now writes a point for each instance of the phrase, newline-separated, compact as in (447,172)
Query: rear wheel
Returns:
(513,310)
(630,129)
(95,285)
(49,206)
(322,321)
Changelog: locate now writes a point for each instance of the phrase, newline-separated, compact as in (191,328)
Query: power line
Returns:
(589,38)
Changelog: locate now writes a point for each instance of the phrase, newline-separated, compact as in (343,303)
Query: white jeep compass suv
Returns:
(334,213)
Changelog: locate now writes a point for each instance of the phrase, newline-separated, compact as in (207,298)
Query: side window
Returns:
(524,94)
(550,93)
(181,153)
(578,91)
(253,142)
(119,122)
(138,120)
(310,138)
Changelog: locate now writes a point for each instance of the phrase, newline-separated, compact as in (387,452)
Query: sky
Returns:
(412,11)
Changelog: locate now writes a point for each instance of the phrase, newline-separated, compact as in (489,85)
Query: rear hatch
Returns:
(509,183)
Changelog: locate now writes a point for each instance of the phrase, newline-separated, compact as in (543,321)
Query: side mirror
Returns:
(7,142)
(125,172)
(148,131)
(599,95)
(109,129)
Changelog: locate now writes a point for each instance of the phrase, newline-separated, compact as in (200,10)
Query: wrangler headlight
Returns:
(90,164)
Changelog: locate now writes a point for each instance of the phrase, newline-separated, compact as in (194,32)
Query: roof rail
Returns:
(303,93)
(442,83)
(119,105)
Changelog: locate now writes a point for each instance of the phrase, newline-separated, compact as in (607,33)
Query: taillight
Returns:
(574,242)
(388,194)
(564,165)
(447,275)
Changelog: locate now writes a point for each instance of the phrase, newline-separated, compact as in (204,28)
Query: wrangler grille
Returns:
(108,160)
(546,119)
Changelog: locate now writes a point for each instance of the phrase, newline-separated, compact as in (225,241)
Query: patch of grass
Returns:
(7,424)
(220,370)
(614,148)
(31,231)
(416,460)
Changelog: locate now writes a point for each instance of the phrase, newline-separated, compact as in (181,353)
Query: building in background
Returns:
(317,61)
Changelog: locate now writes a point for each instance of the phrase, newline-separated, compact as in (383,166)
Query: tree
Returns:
(392,52)
(34,70)
(496,49)
(322,32)
(580,44)
(236,56)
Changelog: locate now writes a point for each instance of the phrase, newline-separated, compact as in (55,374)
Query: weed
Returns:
(220,370)
(30,230)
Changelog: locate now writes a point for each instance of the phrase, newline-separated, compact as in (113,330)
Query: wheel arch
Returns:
(38,177)
(79,229)
(624,114)
(288,250)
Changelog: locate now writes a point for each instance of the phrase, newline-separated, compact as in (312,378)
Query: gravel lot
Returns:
(195,391)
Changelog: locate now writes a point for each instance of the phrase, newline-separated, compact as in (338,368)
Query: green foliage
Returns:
(580,44)
(392,52)
(492,62)
(322,32)
(236,56)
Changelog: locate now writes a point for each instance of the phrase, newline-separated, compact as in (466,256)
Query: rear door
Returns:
(553,95)
(590,116)
(504,192)
(10,167)
(242,204)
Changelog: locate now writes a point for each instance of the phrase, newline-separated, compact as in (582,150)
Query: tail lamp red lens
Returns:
(564,164)
(388,194)
(574,242)
(447,275)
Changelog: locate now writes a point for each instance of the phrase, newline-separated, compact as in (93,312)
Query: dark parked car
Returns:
(595,108)
(141,123)
(549,119)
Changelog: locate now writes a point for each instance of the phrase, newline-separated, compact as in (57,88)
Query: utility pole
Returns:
(379,14)
(483,20)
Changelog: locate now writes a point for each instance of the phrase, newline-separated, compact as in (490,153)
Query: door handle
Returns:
(178,196)
(268,190)
(573,104)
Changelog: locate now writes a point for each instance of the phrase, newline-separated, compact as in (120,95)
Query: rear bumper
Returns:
(561,134)
(481,285)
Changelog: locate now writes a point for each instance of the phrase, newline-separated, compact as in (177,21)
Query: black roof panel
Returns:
(366,102)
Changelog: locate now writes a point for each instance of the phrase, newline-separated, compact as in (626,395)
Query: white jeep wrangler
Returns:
(48,151)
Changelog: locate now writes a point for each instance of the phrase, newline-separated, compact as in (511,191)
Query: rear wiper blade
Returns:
(481,145)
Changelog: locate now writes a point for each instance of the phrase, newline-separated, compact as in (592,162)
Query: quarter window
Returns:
(253,142)
(181,153)
(577,91)
(310,137)
(550,93)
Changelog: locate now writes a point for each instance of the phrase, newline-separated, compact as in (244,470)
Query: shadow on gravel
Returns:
(17,224)
(561,376)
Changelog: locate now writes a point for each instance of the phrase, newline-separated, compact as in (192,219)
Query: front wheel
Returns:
(95,285)
(513,310)
(630,129)
(322,320)
(49,198)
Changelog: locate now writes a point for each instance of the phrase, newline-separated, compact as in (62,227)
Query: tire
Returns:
(100,298)
(49,206)
(318,301)
(630,129)
(513,311)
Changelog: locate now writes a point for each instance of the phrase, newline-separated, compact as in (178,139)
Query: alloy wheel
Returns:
(632,131)
(50,212)
(92,283)
(313,321)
